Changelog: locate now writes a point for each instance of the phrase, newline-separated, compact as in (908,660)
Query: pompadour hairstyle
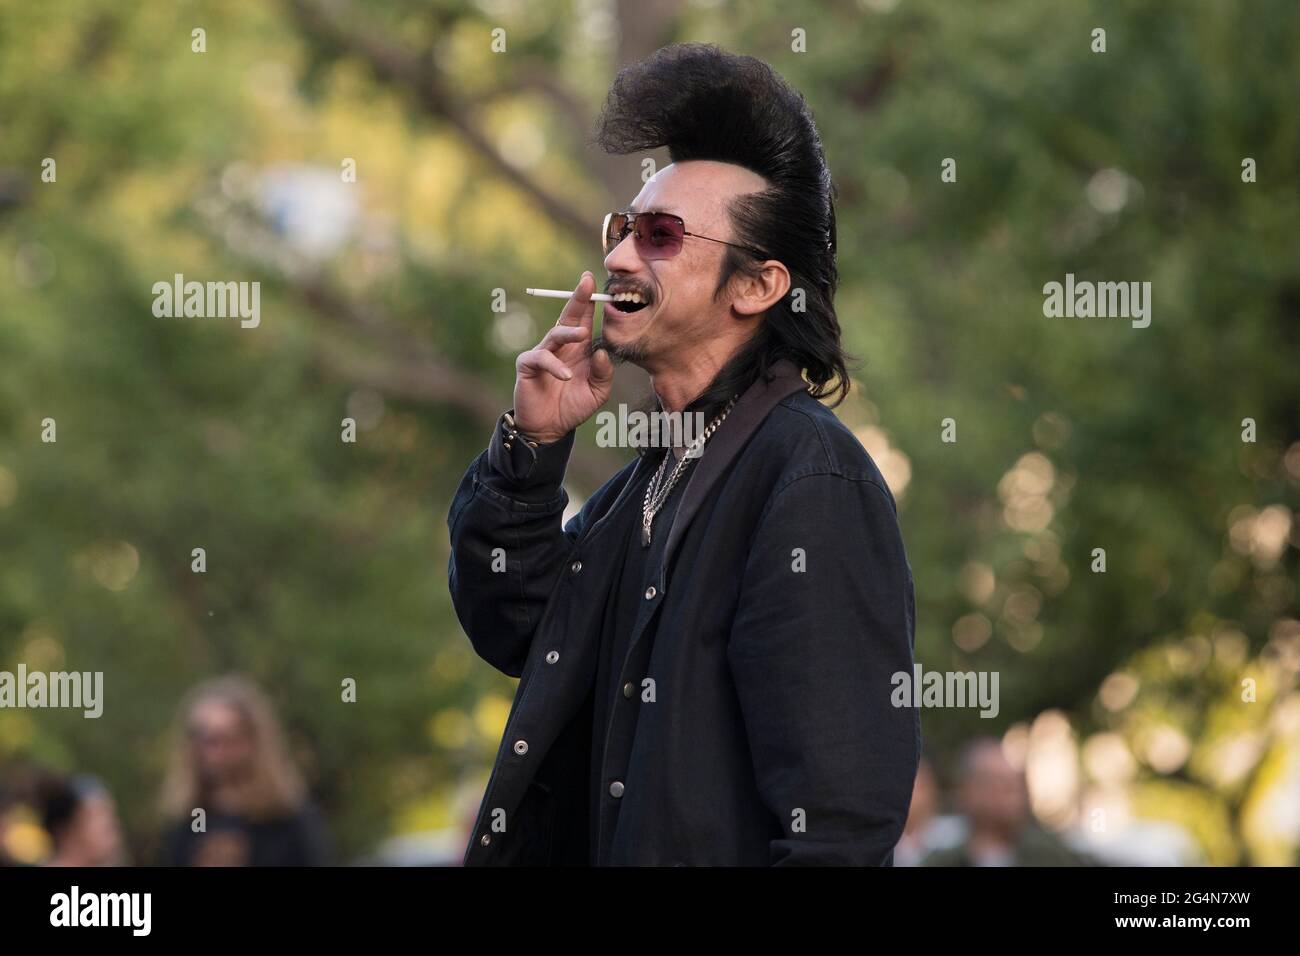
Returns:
(703,103)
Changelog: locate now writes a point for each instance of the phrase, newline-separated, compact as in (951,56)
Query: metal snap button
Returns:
(521,747)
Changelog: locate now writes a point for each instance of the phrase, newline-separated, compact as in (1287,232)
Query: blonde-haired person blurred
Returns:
(231,761)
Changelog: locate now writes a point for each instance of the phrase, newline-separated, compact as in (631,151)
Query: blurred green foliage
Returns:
(326,560)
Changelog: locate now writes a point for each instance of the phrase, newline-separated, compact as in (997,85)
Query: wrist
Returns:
(531,438)
(522,468)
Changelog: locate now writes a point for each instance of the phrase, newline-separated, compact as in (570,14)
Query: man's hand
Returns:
(558,386)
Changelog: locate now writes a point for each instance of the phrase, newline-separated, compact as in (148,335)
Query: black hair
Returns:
(703,103)
(61,798)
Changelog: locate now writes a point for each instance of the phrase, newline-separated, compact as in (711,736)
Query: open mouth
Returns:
(629,302)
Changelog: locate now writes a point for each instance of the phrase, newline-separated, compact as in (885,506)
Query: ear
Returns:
(754,295)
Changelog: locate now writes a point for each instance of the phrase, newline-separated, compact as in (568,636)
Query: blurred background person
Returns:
(992,795)
(912,847)
(80,817)
(8,814)
(231,761)
(24,840)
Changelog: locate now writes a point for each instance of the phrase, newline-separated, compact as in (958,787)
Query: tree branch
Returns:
(422,78)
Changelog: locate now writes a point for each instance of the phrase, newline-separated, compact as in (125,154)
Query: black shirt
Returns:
(297,839)
(640,569)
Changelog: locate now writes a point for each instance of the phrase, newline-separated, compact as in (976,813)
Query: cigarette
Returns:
(562,294)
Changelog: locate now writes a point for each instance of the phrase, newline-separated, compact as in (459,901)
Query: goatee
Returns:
(618,354)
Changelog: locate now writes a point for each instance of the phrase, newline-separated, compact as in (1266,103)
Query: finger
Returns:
(580,310)
(540,362)
(602,369)
(563,335)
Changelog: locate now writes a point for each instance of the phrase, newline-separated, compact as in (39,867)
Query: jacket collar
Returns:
(723,446)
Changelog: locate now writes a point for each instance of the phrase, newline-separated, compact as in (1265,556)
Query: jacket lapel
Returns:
(745,417)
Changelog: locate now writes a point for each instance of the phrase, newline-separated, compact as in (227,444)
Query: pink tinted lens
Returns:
(658,236)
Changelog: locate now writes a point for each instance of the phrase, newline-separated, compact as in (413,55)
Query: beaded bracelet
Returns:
(512,432)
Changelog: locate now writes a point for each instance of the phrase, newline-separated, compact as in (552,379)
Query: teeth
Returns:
(628,297)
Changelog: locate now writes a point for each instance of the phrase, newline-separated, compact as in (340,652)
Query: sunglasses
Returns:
(659,235)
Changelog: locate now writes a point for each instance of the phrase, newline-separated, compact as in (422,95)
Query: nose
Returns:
(624,258)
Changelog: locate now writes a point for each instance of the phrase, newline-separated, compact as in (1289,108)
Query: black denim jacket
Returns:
(764,730)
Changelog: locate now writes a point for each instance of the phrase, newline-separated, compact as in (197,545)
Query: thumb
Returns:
(602,369)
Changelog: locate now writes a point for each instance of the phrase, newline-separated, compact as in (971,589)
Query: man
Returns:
(705,649)
(993,796)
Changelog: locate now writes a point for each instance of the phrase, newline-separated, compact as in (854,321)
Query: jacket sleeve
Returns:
(508,546)
(812,652)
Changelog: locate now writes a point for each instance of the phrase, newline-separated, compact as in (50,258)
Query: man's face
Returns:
(993,793)
(682,312)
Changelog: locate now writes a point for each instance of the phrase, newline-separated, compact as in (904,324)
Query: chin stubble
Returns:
(617,353)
